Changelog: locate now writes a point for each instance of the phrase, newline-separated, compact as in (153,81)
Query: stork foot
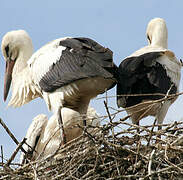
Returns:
(84,124)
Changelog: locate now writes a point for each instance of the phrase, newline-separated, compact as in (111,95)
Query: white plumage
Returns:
(66,72)
(151,69)
(45,56)
(18,45)
(43,135)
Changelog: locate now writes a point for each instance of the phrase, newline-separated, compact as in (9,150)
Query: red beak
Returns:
(8,77)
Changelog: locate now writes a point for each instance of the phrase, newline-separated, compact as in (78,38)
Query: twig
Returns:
(177,141)
(11,135)
(87,133)
(2,155)
(154,94)
(150,163)
(162,170)
(105,103)
(125,118)
(15,152)
(108,113)
(175,166)
(151,133)
(136,157)
(35,173)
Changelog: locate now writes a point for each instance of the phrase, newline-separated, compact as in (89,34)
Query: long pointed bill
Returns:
(8,77)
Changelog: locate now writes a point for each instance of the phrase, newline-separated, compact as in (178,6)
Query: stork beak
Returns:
(8,77)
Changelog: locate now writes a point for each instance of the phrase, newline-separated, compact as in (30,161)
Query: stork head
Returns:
(17,49)
(157,33)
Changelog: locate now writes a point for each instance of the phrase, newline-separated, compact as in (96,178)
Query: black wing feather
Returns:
(82,58)
(142,75)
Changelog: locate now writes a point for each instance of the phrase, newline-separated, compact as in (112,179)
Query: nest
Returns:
(134,152)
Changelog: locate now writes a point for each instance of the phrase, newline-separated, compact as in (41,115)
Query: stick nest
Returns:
(111,152)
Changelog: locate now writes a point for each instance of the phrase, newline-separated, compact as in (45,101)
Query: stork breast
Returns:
(90,87)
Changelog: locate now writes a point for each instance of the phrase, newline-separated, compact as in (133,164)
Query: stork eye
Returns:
(149,39)
(7,50)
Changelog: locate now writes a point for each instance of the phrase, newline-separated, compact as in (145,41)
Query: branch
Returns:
(11,135)
(15,152)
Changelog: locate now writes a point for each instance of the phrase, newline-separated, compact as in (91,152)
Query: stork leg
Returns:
(84,120)
(84,123)
(161,114)
(83,110)
(138,129)
(135,120)
(61,125)
(137,137)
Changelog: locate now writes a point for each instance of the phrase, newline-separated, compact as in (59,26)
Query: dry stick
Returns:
(136,157)
(150,102)
(136,126)
(108,111)
(109,117)
(34,170)
(170,125)
(163,170)
(122,95)
(87,133)
(177,141)
(2,154)
(150,163)
(125,118)
(174,165)
(151,133)
(154,94)
(15,152)
(11,135)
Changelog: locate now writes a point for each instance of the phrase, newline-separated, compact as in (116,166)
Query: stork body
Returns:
(152,69)
(43,135)
(66,72)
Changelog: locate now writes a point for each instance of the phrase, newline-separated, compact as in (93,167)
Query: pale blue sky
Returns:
(116,24)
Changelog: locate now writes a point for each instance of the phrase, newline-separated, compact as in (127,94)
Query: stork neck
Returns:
(21,62)
(160,38)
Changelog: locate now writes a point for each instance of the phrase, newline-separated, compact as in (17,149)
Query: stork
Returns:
(43,135)
(67,72)
(151,69)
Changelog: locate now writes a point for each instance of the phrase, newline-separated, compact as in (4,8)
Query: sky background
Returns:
(116,24)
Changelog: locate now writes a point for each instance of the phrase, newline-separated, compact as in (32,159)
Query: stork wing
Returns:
(142,75)
(78,58)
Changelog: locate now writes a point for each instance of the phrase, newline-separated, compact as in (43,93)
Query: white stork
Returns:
(151,69)
(43,135)
(66,72)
